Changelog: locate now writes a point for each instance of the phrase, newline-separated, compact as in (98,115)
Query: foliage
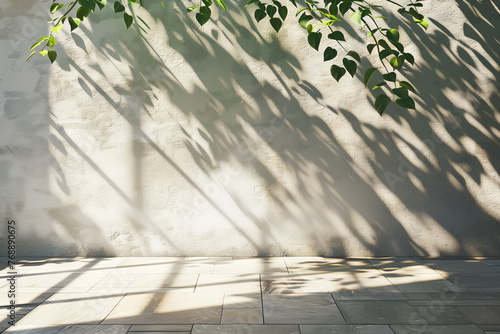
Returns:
(320,19)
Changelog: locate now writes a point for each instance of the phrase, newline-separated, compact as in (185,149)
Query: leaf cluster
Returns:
(322,21)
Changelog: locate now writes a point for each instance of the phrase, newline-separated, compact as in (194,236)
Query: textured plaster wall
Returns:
(225,140)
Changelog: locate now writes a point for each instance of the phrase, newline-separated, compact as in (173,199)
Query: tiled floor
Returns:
(309,295)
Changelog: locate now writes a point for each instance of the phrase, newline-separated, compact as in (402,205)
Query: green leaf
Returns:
(35,45)
(190,9)
(397,61)
(251,2)
(89,4)
(55,7)
(276,23)
(51,42)
(380,84)
(390,77)
(260,14)
(337,72)
(43,52)
(271,10)
(336,35)
(82,13)
(101,3)
(400,47)
(329,54)
(344,7)
(128,19)
(370,47)
(314,38)
(74,22)
(283,11)
(119,7)
(304,19)
(381,103)
(204,15)
(384,53)
(309,28)
(423,23)
(57,28)
(222,4)
(384,44)
(408,86)
(293,2)
(300,10)
(368,75)
(400,92)
(355,55)
(409,58)
(350,66)
(334,10)
(52,55)
(393,35)
(356,17)
(31,54)
(406,102)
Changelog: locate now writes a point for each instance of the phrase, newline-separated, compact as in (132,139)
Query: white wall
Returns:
(228,140)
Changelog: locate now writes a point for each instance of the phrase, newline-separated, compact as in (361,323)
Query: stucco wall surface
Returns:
(227,140)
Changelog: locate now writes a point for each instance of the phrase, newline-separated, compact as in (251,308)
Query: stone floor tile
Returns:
(476,280)
(242,316)
(168,280)
(162,332)
(408,265)
(228,283)
(355,266)
(251,266)
(200,265)
(301,309)
(376,293)
(325,282)
(35,265)
(69,329)
(297,283)
(490,328)
(438,314)
(140,265)
(119,280)
(244,300)
(480,314)
(60,282)
(451,296)
(23,298)
(379,312)
(421,283)
(66,309)
(174,308)
(455,302)
(161,328)
(459,266)
(247,329)
(345,329)
(495,309)
(436,329)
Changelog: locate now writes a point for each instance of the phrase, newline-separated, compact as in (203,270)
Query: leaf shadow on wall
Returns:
(313,185)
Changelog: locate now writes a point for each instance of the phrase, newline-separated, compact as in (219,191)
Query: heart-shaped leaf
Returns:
(337,72)
(314,38)
(329,53)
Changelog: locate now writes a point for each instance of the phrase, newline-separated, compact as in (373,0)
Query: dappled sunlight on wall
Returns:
(224,140)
